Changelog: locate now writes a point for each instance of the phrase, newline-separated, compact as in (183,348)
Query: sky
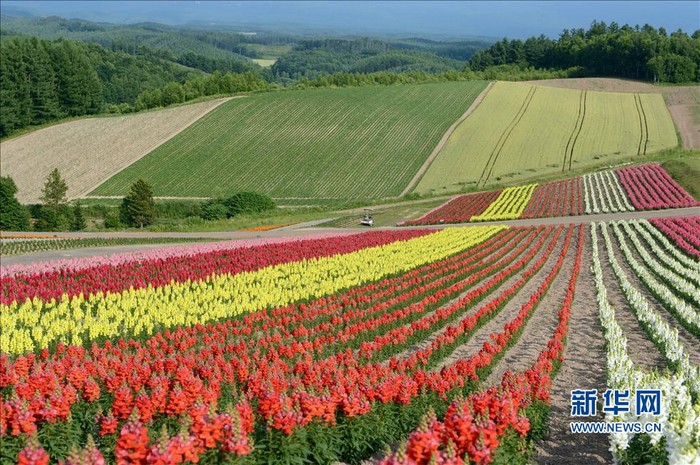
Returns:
(513,19)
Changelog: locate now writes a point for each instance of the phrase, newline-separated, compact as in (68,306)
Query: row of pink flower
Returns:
(74,264)
(458,209)
(180,268)
(556,198)
(649,187)
(684,232)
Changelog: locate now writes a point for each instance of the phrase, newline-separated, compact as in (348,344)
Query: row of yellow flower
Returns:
(509,204)
(35,324)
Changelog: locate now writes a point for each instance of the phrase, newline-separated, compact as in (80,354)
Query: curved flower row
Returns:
(604,194)
(680,418)
(314,323)
(183,367)
(473,427)
(680,294)
(685,232)
(667,252)
(661,332)
(189,264)
(457,210)
(35,324)
(556,198)
(650,187)
(75,264)
(509,205)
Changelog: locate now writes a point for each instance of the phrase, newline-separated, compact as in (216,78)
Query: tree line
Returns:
(644,53)
(137,209)
(42,81)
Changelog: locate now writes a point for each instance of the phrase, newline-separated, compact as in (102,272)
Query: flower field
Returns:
(643,187)
(330,348)
(12,246)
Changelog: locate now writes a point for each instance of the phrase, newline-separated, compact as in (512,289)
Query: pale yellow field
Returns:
(89,151)
(520,131)
(263,62)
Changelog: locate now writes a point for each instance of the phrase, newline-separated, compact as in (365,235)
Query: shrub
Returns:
(248,202)
(214,209)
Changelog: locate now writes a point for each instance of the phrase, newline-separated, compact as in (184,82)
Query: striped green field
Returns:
(322,143)
(521,131)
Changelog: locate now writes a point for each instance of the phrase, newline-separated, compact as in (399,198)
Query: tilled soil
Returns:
(541,325)
(584,367)
(427,341)
(495,325)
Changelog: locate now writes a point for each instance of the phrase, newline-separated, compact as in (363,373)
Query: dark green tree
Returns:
(138,207)
(13,216)
(54,191)
(43,83)
(78,223)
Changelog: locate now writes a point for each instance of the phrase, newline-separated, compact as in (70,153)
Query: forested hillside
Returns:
(313,58)
(611,50)
(54,67)
(42,80)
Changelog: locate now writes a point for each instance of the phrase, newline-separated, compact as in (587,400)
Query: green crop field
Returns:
(321,143)
(521,131)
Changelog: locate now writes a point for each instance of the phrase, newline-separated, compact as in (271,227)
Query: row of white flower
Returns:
(651,233)
(660,332)
(604,194)
(680,418)
(667,252)
(685,307)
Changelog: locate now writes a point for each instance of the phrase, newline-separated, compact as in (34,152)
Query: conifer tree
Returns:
(138,207)
(13,216)
(78,223)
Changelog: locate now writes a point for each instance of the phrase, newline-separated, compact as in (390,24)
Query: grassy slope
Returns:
(325,143)
(88,151)
(516,134)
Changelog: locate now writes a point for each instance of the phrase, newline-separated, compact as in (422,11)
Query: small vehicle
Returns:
(368,219)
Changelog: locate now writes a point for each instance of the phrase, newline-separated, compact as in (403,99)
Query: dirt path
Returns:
(438,148)
(584,368)
(495,325)
(687,125)
(306,229)
(541,325)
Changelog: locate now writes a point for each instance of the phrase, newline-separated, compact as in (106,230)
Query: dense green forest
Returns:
(642,53)
(51,68)
(42,81)
(314,58)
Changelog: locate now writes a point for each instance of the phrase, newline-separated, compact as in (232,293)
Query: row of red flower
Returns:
(556,198)
(473,427)
(158,272)
(188,373)
(684,232)
(285,331)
